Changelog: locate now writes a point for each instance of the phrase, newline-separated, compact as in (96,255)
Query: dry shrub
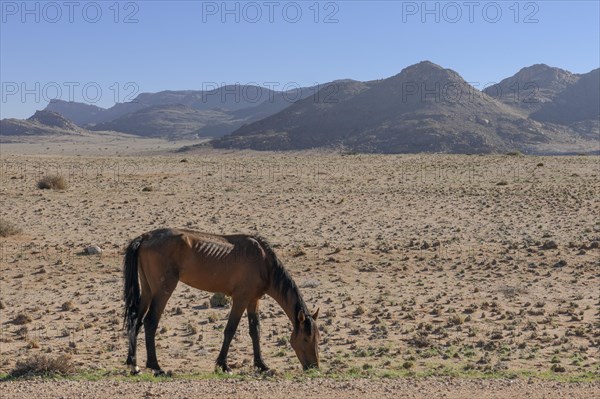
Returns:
(421,340)
(33,344)
(456,320)
(219,300)
(22,318)
(53,182)
(67,306)
(22,332)
(8,229)
(310,283)
(511,292)
(42,365)
(213,317)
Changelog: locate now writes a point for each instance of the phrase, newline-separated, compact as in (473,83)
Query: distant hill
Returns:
(553,95)
(42,123)
(578,102)
(169,121)
(424,108)
(79,113)
(532,87)
(86,114)
(220,111)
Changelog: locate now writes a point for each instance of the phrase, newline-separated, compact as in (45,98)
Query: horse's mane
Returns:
(281,279)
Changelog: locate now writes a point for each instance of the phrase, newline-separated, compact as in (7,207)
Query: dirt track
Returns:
(318,388)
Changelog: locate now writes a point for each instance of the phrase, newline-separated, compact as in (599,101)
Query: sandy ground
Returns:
(352,389)
(419,263)
(96,144)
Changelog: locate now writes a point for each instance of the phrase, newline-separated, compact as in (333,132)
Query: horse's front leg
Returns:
(237,310)
(254,323)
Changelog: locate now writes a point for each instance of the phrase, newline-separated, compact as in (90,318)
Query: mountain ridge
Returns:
(425,107)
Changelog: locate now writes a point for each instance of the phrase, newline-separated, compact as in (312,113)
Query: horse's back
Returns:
(211,262)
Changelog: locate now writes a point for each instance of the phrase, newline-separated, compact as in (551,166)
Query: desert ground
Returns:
(435,275)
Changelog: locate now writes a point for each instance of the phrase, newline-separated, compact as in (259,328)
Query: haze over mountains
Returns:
(182,114)
(42,123)
(425,107)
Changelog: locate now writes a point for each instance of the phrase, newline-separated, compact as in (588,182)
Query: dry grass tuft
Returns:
(22,318)
(219,300)
(53,182)
(42,365)
(8,229)
(213,317)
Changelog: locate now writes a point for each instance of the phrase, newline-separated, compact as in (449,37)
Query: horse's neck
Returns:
(289,301)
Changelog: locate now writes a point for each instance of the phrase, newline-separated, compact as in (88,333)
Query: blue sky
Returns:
(106,51)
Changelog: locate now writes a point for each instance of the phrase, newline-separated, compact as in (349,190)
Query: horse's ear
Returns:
(301,317)
(316,314)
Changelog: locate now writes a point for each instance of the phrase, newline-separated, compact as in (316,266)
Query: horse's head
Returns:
(305,340)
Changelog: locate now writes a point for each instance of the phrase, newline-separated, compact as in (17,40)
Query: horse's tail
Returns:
(131,288)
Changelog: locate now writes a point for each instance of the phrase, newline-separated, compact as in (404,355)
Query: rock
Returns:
(93,250)
(550,245)
(560,263)
(482,121)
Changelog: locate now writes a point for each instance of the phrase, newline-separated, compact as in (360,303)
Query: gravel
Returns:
(317,388)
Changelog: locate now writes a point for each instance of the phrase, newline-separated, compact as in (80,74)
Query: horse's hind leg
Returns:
(254,324)
(146,296)
(237,310)
(157,306)
(131,355)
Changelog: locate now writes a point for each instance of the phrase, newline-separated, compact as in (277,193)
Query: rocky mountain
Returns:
(578,102)
(227,97)
(532,87)
(80,113)
(553,95)
(42,123)
(423,108)
(219,111)
(170,121)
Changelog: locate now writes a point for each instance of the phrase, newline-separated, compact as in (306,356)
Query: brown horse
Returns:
(241,266)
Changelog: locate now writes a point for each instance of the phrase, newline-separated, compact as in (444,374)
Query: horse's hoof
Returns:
(135,371)
(162,373)
(263,368)
(223,368)
(271,373)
